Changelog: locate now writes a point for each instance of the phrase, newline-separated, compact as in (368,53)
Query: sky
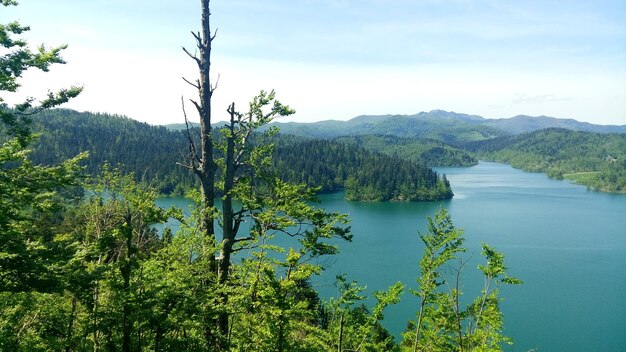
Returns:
(337,59)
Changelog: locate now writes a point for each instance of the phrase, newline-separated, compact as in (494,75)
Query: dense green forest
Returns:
(149,152)
(418,150)
(593,159)
(588,154)
(364,175)
(88,271)
(445,126)
(152,152)
(429,152)
(450,128)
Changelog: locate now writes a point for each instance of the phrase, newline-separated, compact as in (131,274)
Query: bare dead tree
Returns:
(205,160)
(202,160)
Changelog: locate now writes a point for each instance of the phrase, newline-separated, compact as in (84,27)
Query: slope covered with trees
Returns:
(447,127)
(593,159)
(152,154)
(418,150)
(525,124)
(365,175)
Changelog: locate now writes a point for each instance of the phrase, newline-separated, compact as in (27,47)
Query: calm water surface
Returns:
(567,244)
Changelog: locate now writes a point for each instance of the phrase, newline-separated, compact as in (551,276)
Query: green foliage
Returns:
(32,197)
(593,159)
(151,154)
(418,150)
(355,327)
(32,202)
(17,58)
(447,127)
(126,285)
(442,325)
(366,176)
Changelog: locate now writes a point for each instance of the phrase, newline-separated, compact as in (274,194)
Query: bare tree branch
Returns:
(191,84)
(214,87)
(194,158)
(198,39)
(195,103)
(194,57)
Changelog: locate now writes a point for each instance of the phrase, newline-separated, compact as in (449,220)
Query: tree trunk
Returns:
(228,230)
(207,167)
(419,323)
(227,203)
(207,164)
(70,327)
(341,323)
(125,269)
(94,312)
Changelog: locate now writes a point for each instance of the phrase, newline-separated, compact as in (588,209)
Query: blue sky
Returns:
(336,59)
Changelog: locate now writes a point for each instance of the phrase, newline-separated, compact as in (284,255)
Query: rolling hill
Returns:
(151,153)
(419,150)
(593,159)
(448,127)
(522,124)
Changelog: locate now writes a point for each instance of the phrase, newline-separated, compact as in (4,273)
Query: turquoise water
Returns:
(567,244)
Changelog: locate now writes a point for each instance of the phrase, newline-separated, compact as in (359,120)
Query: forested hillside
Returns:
(447,127)
(596,160)
(524,124)
(422,151)
(365,175)
(151,153)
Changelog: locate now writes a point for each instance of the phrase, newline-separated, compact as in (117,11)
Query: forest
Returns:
(592,155)
(593,159)
(429,152)
(152,152)
(83,268)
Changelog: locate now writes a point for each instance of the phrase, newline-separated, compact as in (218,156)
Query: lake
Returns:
(567,244)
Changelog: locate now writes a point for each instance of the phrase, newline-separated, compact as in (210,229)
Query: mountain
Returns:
(419,150)
(593,159)
(522,124)
(448,127)
(151,153)
(180,126)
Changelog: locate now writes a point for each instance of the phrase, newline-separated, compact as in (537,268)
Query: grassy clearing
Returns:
(583,177)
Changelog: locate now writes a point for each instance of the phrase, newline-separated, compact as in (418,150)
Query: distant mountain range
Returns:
(449,127)
(523,124)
